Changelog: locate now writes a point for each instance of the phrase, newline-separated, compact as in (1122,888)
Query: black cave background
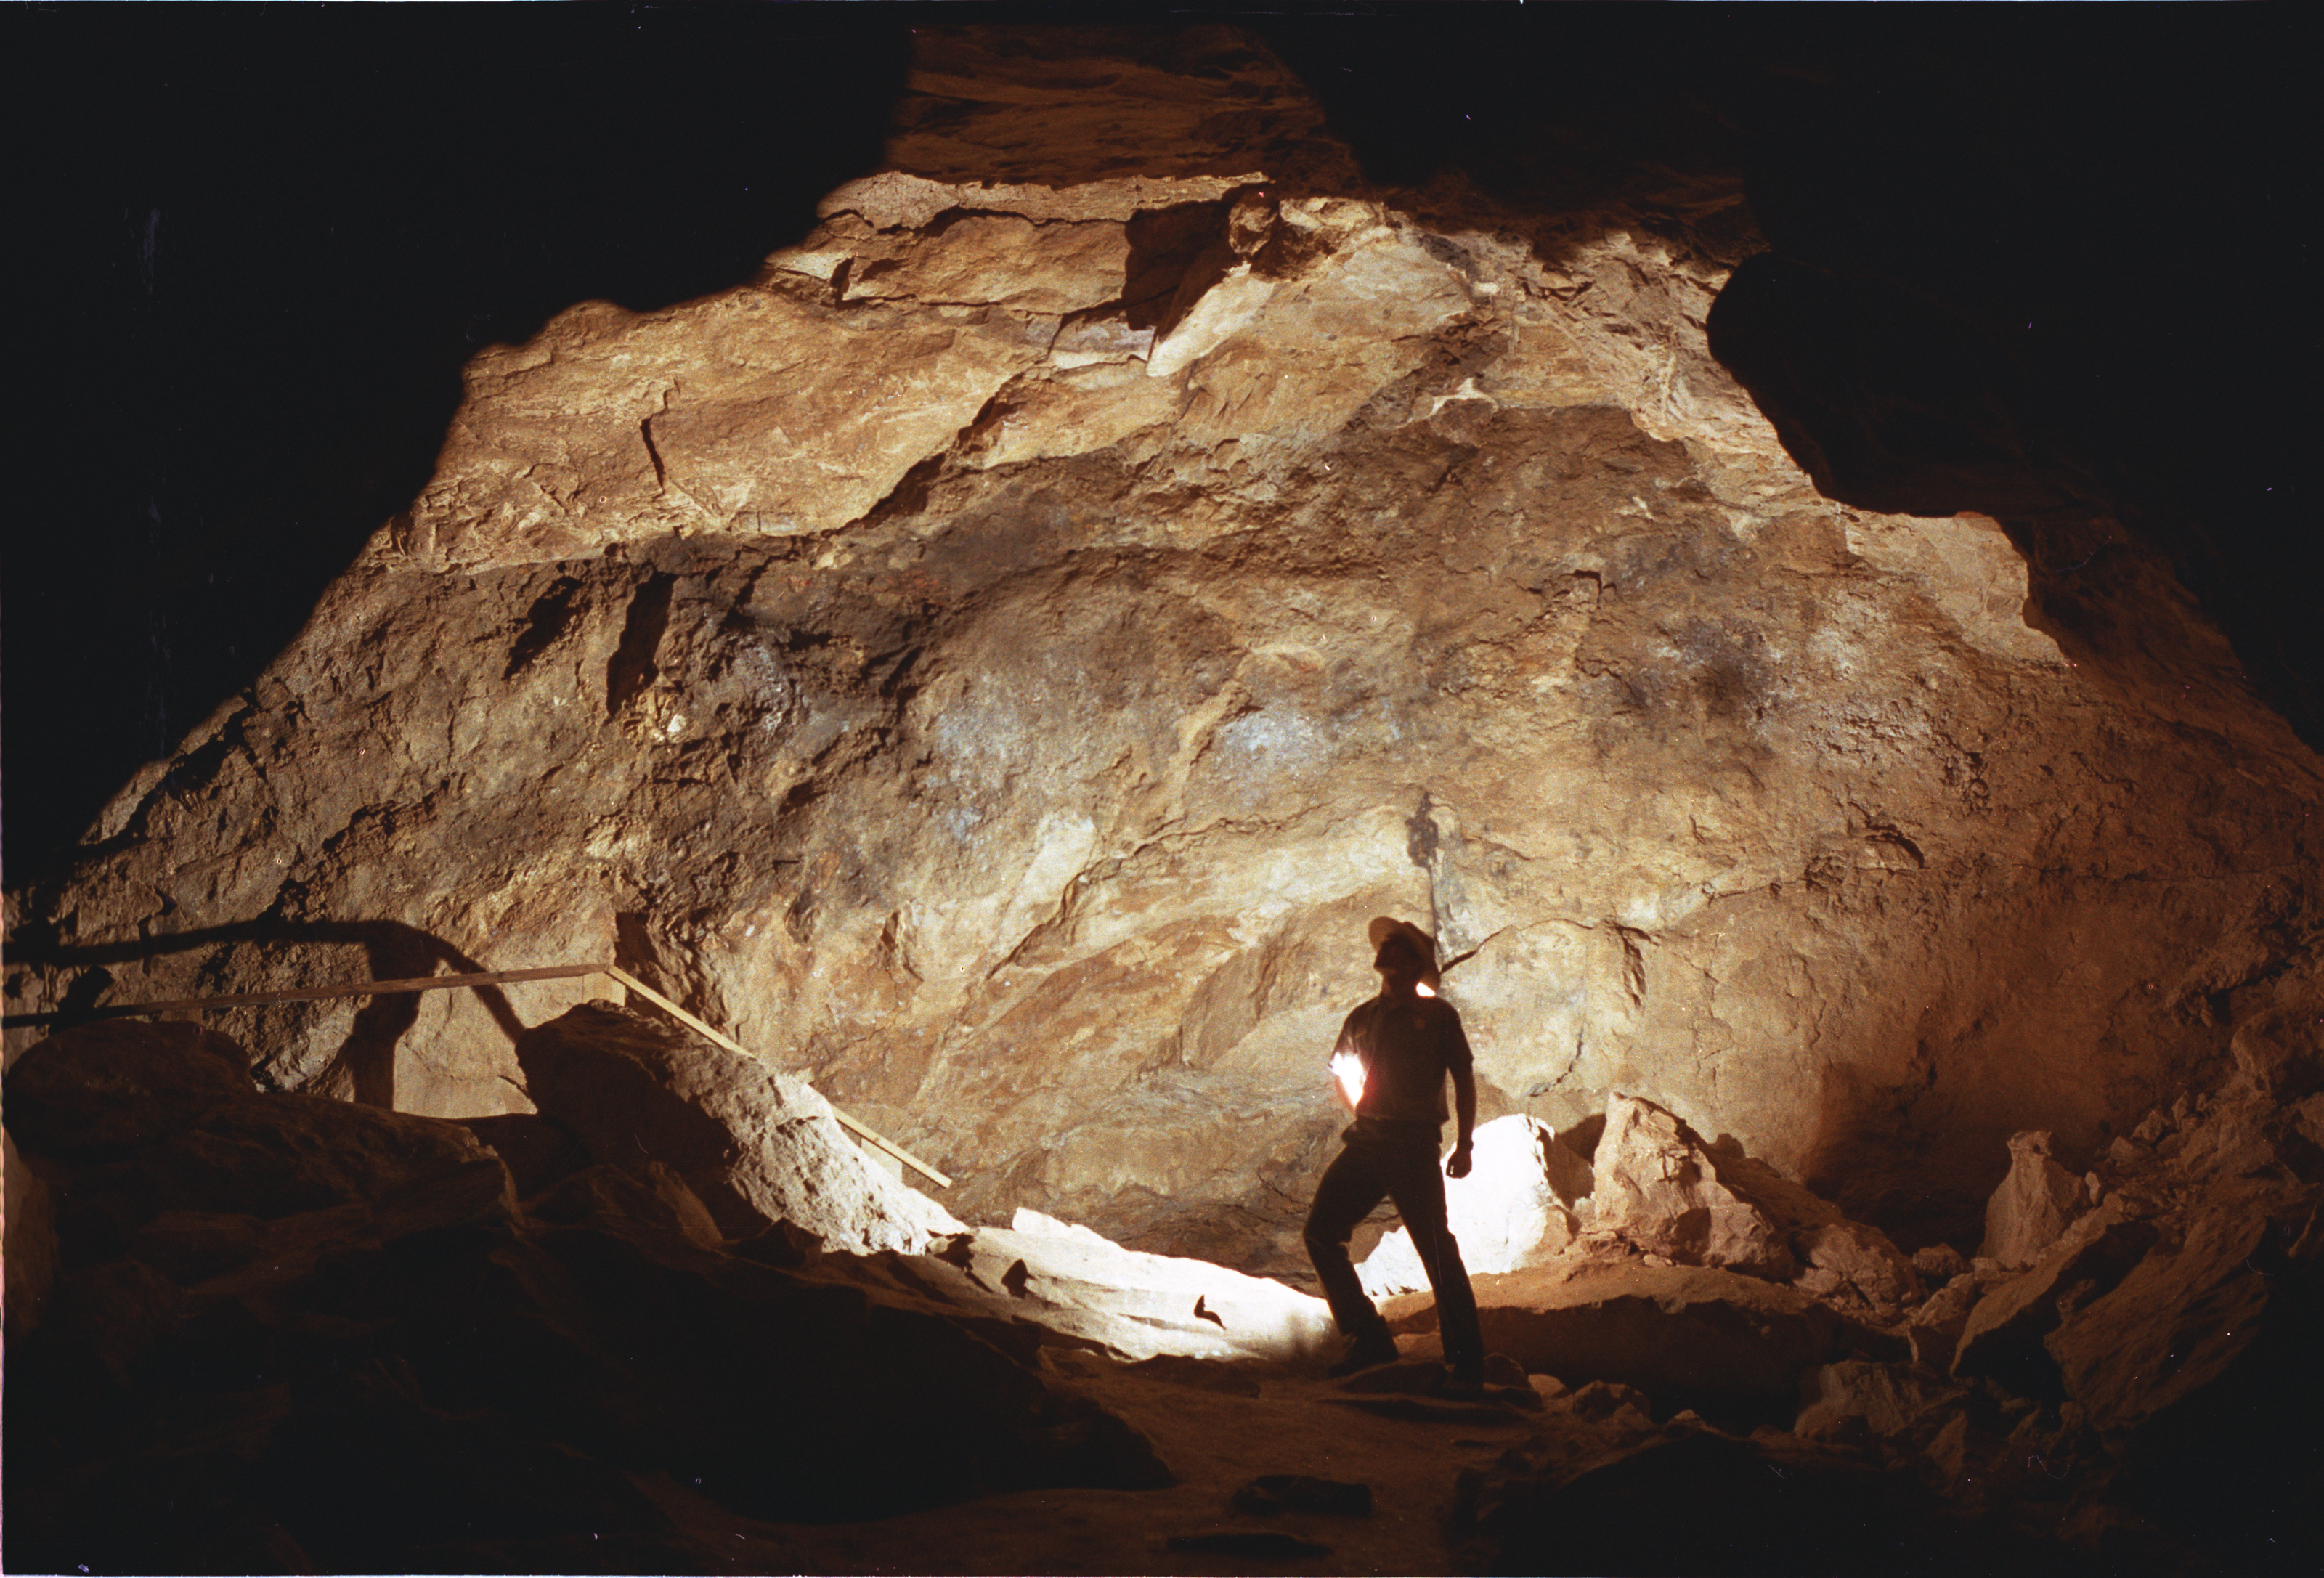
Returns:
(2033,261)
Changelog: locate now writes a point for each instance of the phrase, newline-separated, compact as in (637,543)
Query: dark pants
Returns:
(1403,1167)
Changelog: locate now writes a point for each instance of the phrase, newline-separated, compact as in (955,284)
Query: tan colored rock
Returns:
(1658,1188)
(649,1200)
(1862,1258)
(1889,1399)
(2175,1325)
(101,1091)
(1505,1214)
(1939,1264)
(2032,1205)
(1935,1329)
(755,1146)
(997,682)
(2004,1334)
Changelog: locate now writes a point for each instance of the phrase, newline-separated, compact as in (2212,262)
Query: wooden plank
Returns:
(316,993)
(732,1045)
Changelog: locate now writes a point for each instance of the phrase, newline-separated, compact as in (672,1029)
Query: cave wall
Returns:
(996,662)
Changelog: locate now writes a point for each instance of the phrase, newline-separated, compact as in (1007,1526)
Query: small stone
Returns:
(2279,1054)
(1939,1264)
(1888,1399)
(2152,1128)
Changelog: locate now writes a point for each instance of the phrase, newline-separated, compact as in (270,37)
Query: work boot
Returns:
(1460,1385)
(1372,1349)
(1464,1380)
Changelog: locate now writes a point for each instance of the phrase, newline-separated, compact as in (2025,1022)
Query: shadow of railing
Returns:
(394,951)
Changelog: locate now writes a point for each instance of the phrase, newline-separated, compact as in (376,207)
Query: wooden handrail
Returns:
(309,993)
(732,1045)
(444,983)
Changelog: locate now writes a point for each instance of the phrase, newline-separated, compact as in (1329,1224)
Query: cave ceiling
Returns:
(994,648)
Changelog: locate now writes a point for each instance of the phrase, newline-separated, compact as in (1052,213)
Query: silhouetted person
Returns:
(1390,1066)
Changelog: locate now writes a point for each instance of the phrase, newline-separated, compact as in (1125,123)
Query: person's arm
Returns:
(1465,1113)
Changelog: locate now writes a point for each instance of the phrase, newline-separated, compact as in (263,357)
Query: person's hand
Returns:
(1458,1166)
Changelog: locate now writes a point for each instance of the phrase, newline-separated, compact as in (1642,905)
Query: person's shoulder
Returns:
(1442,1010)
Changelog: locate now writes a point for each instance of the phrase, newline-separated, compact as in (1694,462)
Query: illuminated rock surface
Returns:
(993,664)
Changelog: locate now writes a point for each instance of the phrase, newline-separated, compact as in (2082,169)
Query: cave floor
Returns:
(1215,1441)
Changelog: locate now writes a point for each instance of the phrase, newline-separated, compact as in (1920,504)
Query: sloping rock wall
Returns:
(995,662)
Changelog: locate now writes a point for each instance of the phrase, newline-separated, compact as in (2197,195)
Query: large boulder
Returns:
(1730,1345)
(1506,1215)
(1658,1186)
(2003,1336)
(303,1335)
(1935,1329)
(756,1146)
(2031,1207)
(2171,1328)
(106,1088)
(1269,549)
(2280,1053)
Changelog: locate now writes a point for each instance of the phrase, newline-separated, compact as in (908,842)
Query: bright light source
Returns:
(1424,989)
(1349,1070)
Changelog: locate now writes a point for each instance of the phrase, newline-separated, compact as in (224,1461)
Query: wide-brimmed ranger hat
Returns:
(1384,927)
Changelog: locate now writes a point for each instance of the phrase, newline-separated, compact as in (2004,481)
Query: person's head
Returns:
(1404,954)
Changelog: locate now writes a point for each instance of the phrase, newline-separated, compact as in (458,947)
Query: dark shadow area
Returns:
(263,243)
(365,1062)
(2051,259)
(1880,1161)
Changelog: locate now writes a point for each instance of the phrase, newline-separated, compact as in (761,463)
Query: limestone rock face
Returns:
(994,663)
(1660,1190)
(758,1147)
(1505,1215)
(2032,1205)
